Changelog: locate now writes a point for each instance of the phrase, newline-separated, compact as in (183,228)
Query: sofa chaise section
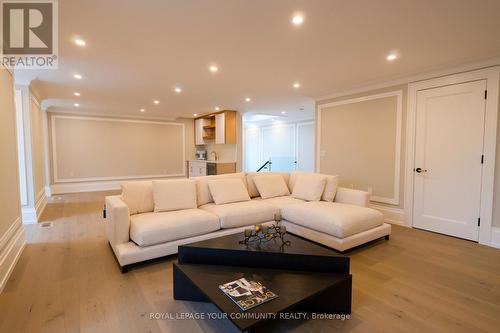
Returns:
(343,224)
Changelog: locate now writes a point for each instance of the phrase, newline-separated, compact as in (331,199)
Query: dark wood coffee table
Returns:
(307,277)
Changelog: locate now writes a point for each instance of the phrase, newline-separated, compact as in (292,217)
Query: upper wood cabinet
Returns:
(218,128)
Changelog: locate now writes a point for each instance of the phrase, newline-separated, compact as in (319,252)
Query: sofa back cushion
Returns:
(138,195)
(271,186)
(252,189)
(309,186)
(332,182)
(202,190)
(225,191)
(174,194)
(330,186)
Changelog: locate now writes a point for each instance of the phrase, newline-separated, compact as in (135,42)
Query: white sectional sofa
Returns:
(150,219)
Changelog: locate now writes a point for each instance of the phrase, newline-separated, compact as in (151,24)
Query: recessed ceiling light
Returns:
(76,104)
(392,57)
(195,114)
(283,112)
(217,108)
(213,68)
(156,102)
(178,90)
(296,85)
(78,76)
(76,93)
(142,110)
(297,19)
(248,99)
(80,42)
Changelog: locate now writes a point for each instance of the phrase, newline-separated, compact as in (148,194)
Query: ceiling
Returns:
(139,51)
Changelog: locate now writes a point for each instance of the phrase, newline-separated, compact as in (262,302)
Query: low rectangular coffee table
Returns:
(307,277)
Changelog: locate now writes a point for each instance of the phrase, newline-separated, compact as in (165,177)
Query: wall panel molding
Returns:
(58,179)
(395,198)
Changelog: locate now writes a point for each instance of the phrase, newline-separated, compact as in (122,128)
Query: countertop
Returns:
(212,161)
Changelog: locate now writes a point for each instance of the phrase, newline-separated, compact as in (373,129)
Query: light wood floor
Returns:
(67,281)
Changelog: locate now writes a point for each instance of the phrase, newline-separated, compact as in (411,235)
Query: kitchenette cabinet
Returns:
(218,128)
(197,168)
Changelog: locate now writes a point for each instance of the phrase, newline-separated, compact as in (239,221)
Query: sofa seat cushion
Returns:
(281,202)
(155,228)
(238,214)
(336,219)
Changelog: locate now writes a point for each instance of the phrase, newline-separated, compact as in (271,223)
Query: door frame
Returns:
(492,77)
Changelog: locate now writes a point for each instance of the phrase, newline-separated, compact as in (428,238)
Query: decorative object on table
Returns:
(247,293)
(263,233)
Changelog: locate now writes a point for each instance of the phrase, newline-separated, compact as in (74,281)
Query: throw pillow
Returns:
(138,196)
(175,194)
(309,187)
(228,190)
(270,186)
(330,188)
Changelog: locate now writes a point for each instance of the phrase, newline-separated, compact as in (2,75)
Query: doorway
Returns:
(451,154)
(448,159)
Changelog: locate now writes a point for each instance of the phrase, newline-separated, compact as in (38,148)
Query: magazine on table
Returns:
(247,294)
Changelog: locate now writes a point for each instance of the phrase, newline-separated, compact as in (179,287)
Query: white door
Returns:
(278,146)
(253,149)
(305,147)
(448,159)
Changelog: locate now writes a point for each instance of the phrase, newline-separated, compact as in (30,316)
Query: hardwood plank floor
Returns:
(67,280)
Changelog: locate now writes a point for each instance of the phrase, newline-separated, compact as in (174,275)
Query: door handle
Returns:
(420,170)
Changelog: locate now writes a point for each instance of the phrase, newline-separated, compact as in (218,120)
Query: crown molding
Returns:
(53,111)
(374,85)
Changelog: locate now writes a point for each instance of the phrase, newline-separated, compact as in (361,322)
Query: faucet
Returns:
(215,155)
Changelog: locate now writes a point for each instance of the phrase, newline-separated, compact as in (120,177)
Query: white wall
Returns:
(11,230)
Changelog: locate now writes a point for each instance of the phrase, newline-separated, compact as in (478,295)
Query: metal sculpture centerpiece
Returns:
(264,233)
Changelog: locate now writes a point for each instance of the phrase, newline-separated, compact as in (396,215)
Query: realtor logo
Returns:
(29,34)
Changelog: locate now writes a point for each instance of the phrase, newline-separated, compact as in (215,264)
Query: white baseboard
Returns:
(40,204)
(48,191)
(31,215)
(84,187)
(392,215)
(12,244)
(28,215)
(495,237)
